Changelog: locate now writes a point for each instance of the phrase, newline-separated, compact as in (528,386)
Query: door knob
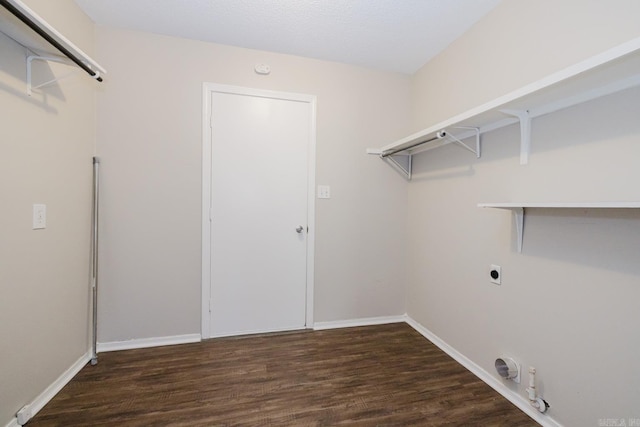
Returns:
(299,229)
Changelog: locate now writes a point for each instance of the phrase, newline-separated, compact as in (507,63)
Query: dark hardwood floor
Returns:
(385,375)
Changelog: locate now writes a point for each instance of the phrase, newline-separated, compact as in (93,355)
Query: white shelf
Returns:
(614,70)
(519,210)
(21,33)
(563,205)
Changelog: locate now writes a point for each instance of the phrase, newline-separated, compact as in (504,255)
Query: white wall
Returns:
(568,304)
(149,142)
(46,148)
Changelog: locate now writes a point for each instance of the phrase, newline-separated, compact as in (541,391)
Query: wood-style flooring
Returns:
(386,375)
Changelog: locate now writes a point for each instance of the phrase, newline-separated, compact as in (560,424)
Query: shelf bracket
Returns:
(525,132)
(518,216)
(402,163)
(462,144)
(32,58)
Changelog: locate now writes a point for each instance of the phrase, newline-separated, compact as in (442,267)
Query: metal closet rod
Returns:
(21,16)
(439,135)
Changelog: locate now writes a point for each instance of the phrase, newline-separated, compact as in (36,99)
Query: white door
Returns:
(260,152)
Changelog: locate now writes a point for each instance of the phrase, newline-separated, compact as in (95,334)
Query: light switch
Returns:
(39,216)
(324,192)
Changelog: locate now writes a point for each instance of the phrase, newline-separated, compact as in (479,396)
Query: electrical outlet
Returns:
(495,274)
(324,192)
(39,216)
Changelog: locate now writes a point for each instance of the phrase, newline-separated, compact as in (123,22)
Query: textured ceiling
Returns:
(392,35)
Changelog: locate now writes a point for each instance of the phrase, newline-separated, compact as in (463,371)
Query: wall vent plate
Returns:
(508,368)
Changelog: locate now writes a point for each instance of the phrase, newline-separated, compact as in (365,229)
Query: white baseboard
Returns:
(256,332)
(491,381)
(54,388)
(368,321)
(148,342)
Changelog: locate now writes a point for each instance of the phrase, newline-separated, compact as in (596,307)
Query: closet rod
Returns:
(35,27)
(439,135)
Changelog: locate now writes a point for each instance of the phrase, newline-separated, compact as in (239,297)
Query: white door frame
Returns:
(207,90)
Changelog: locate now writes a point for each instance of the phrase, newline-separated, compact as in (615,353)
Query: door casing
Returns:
(208,89)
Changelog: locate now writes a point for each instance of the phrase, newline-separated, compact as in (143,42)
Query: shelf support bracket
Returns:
(32,58)
(518,216)
(525,132)
(402,163)
(458,141)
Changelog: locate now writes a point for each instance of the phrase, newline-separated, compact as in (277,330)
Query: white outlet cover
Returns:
(324,192)
(39,216)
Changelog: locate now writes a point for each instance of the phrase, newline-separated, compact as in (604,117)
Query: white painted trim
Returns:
(367,321)
(520,401)
(205,315)
(562,205)
(257,332)
(148,342)
(311,214)
(54,388)
(207,89)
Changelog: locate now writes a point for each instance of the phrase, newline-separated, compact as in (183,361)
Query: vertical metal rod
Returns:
(94,260)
